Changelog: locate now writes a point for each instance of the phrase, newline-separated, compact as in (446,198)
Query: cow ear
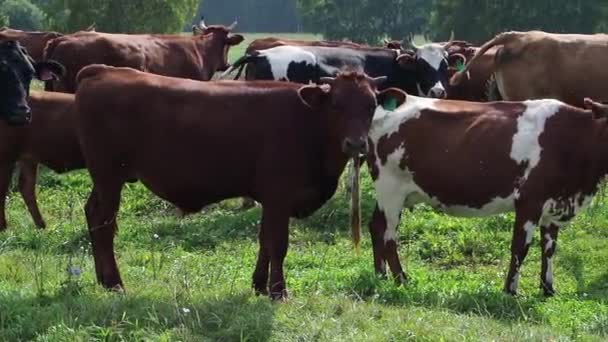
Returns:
(235,39)
(49,70)
(314,96)
(407,61)
(391,98)
(599,110)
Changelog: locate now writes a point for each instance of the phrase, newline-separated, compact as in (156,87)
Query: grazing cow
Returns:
(16,72)
(50,140)
(34,42)
(536,65)
(542,159)
(283,144)
(423,72)
(197,57)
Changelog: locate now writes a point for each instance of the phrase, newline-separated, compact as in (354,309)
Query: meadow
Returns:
(189,279)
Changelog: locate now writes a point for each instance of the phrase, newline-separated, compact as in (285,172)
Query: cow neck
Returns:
(334,160)
(208,65)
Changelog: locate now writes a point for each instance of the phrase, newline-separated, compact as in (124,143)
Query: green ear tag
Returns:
(390,104)
(460,66)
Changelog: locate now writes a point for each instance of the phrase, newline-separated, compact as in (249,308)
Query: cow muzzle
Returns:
(20,116)
(438,93)
(354,147)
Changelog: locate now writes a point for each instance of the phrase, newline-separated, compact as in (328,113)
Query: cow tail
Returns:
(239,64)
(355,203)
(500,39)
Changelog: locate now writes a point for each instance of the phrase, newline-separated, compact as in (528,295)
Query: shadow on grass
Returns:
(225,317)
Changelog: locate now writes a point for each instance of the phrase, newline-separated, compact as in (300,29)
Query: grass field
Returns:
(189,280)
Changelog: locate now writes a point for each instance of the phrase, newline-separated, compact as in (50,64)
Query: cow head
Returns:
(348,103)
(429,62)
(17,69)
(220,40)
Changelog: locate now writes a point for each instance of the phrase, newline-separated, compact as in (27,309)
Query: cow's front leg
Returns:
(548,245)
(274,237)
(384,226)
(523,233)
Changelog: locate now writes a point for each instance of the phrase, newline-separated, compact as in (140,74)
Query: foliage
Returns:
(366,21)
(134,16)
(478,21)
(253,15)
(21,14)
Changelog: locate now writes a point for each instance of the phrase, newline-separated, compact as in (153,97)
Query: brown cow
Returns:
(50,140)
(33,41)
(192,143)
(542,159)
(536,65)
(270,42)
(475,87)
(197,57)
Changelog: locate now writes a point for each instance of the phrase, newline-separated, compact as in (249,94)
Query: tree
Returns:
(22,14)
(133,16)
(366,21)
(477,21)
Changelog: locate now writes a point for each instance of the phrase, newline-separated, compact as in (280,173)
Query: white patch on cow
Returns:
(549,274)
(434,54)
(280,57)
(530,125)
(549,243)
(561,211)
(390,195)
(529,227)
(495,206)
(515,282)
(387,122)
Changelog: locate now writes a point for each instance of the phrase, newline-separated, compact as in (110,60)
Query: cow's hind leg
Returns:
(101,210)
(526,220)
(383,228)
(28,172)
(548,245)
(260,275)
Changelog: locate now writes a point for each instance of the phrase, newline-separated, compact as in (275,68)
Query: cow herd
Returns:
(134,108)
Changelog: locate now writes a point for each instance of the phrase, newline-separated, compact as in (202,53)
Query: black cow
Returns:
(17,69)
(422,71)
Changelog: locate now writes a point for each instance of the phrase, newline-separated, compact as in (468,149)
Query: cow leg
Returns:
(28,172)
(548,245)
(523,232)
(275,236)
(260,275)
(6,171)
(377,227)
(101,210)
(383,228)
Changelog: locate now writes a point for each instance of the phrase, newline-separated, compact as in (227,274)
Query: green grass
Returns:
(192,283)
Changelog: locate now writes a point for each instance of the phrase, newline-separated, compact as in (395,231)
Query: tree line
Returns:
(366,21)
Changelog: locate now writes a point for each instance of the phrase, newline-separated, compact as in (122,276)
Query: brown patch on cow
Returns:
(371,160)
(33,41)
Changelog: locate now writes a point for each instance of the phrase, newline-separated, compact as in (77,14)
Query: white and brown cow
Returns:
(542,159)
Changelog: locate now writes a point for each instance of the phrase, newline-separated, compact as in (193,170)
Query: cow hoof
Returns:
(259,289)
(279,295)
(117,289)
(41,225)
(548,290)
(401,279)
(248,203)
(510,292)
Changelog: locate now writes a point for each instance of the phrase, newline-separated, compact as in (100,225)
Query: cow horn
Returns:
(413,43)
(202,24)
(233,25)
(451,37)
(327,80)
